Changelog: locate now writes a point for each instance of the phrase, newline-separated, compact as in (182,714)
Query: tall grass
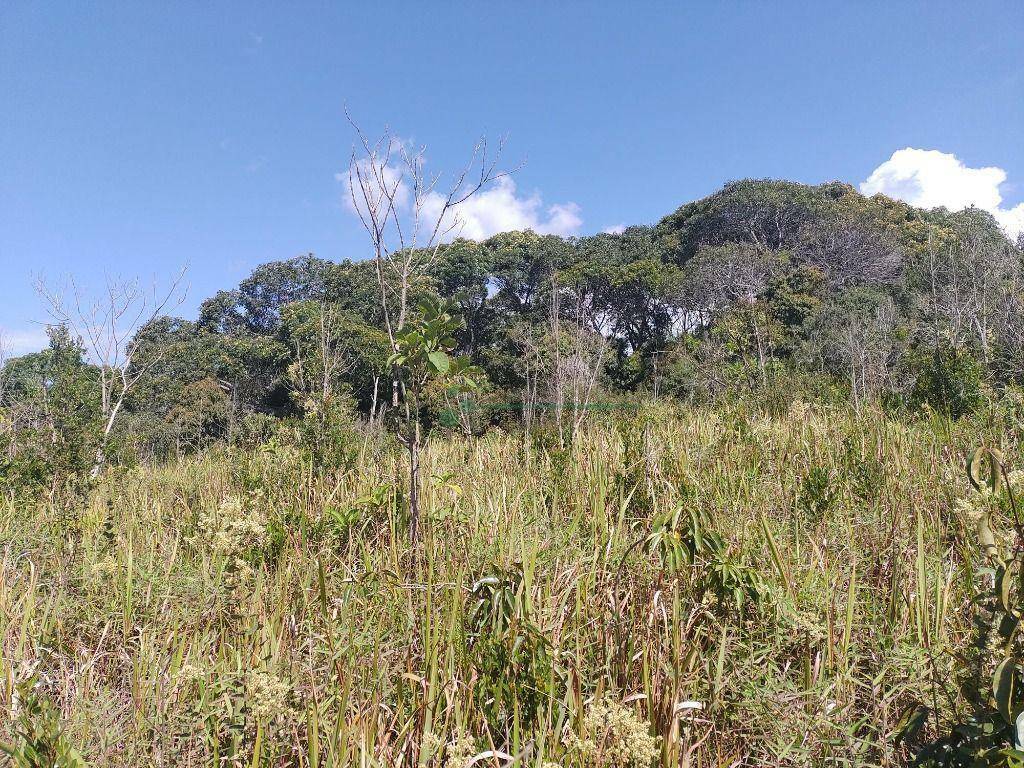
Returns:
(248,609)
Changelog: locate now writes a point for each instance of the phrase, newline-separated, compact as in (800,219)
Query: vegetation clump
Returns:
(614,737)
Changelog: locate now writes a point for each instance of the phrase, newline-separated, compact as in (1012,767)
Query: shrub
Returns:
(508,652)
(817,493)
(328,433)
(40,741)
(948,381)
(989,734)
(682,539)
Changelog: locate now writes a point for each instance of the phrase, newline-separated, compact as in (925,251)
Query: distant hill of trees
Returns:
(763,286)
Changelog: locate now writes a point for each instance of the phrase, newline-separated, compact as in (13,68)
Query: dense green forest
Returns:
(764,289)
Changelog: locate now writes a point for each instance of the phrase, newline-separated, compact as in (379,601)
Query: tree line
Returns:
(763,287)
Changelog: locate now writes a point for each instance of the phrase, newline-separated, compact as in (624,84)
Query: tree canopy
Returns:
(760,279)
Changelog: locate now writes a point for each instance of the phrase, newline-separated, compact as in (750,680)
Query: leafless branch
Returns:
(109,324)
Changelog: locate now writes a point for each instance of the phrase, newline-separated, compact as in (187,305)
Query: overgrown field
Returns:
(682,587)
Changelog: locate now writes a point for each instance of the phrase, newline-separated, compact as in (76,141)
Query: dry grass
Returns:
(244,609)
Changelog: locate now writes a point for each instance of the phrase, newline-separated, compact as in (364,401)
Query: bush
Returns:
(948,381)
(508,653)
(329,433)
(40,741)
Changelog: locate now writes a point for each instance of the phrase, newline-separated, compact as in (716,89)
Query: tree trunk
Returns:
(373,402)
(97,463)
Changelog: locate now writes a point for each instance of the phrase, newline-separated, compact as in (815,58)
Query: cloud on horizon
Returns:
(928,178)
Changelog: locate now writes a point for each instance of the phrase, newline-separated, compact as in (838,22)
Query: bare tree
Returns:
(857,337)
(108,325)
(973,289)
(532,364)
(7,424)
(326,357)
(868,342)
(719,277)
(4,354)
(578,350)
(761,212)
(1009,336)
(851,251)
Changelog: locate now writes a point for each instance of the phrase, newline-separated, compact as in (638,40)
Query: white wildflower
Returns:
(613,737)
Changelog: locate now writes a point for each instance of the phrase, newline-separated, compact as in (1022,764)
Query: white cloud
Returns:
(499,209)
(928,178)
(353,184)
(563,219)
(494,209)
(616,229)
(15,342)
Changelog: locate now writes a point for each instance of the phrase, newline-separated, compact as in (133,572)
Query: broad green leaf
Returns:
(1004,680)
(439,360)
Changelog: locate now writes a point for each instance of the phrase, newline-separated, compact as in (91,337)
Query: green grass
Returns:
(244,609)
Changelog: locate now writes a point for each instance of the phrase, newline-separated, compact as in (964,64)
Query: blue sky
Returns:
(138,137)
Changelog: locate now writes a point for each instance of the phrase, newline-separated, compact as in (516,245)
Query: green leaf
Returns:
(1004,681)
(1004,580)
(976,463)
(911,721)
(439,360)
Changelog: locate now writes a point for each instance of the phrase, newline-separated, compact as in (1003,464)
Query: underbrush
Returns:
(703,587)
